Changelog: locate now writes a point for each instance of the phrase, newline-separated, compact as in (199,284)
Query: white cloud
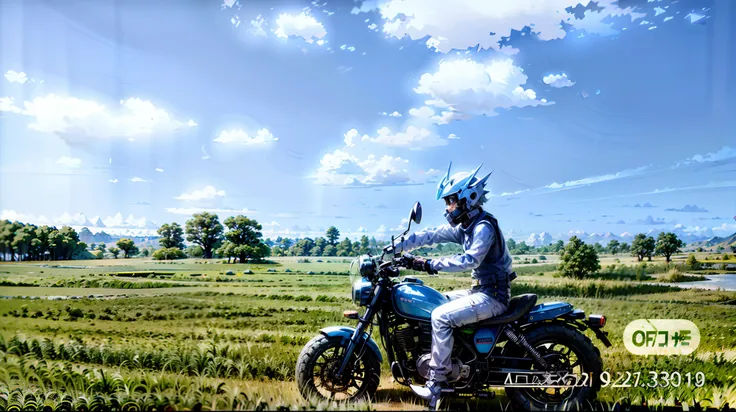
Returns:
(452,136)
(302,25)
(726,227)
(8,105)
(373,26)
(159,170)
(427,114)
(558,80)
(256,26)
(402,226)
(413,138)
(16,77)
(272,223)
(208,192)
(113,180)
(138,180)
(340,168)
(474,88)
(394,114)
(76,120)
(725,153)
(462,24)
(71,162)
(381,229)
(240,136)
(362,230)
(597,179)
(193,210)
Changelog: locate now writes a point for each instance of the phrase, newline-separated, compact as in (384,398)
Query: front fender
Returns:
(346,332)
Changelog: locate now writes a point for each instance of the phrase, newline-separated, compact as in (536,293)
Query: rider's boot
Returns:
(435,389)
(431,391)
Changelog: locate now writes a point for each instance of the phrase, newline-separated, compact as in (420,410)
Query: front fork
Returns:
(362,324)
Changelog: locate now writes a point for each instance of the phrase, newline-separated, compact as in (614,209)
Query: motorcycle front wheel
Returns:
(319,361)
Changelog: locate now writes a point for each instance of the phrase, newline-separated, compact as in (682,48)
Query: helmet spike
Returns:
(472,175)
(441,185)
(482,182)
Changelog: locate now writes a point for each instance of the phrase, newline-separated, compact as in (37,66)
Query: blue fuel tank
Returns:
(416,301)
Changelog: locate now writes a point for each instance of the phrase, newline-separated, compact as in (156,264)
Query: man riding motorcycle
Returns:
(485,253)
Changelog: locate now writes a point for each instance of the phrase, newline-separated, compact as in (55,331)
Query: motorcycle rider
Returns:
(485,253)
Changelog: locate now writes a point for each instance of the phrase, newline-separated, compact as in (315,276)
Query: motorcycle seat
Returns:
(518,306)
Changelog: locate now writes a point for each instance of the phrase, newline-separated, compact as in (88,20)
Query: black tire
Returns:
(369,376)
(589,355)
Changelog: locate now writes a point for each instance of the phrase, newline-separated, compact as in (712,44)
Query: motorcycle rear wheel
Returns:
(587,356)
(320,359)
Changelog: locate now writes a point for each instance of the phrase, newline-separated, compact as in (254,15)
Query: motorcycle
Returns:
(537,352)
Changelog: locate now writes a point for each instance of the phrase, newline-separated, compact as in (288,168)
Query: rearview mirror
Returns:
(416,213)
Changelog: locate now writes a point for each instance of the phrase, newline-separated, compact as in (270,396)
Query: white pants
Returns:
(465,307)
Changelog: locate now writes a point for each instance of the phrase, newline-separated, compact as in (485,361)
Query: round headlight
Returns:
(367,267)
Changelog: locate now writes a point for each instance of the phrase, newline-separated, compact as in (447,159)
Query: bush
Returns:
(248,272)
(726,257)
(542,257)
(534,261)
(170,253)
(692,263)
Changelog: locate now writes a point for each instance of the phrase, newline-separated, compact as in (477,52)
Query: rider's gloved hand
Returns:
(423,265)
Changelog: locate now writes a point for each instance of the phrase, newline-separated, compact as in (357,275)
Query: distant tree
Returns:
(332,235)
(558,246)
(523,248)
(614,246)
(92,246)
(205,230)
(643,246)
(114,252)
(172,235)
(599,249)
(146,252)
(102,247)
(277,251)
(668,244)
(365,245)
(170,253)
(733,247)
(356,248)
(243,239)
(578,259)
(330,251)
(625,248)
(511,243)
(345,248)
(127,246)
(720,249)
(99,254)
(194,251)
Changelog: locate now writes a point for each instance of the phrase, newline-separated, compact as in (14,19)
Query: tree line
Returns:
(240,239)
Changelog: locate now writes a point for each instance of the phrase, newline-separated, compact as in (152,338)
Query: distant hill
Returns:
(717,241)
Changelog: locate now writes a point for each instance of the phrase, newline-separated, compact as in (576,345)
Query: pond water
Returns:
(725,282)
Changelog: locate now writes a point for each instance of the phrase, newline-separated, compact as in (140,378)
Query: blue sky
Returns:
(305,115)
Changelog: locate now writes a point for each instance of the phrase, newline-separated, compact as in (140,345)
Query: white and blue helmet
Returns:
(470,191)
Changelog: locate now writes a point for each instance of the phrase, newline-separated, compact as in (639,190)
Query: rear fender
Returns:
(546,311)
(346,332)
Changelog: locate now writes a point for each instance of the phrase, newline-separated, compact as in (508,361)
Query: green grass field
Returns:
(140,332)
